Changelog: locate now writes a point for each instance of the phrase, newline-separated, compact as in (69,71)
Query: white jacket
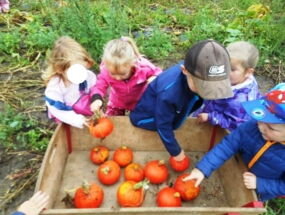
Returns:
(64,95)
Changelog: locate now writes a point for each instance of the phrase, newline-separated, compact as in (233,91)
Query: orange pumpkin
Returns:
(156,171)
(179,166)
(187,189)
(130,194)
(109,172)
(99,154)
(123,156)
(168,197)
(134,172)
(88,196)
(102,128)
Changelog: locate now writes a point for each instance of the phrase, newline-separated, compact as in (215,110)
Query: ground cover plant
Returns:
(163,31)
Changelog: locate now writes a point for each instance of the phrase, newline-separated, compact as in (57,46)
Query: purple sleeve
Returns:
(232,116)
(229,113)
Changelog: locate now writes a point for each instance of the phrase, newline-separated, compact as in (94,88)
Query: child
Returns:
(4,6)
(126,72)
(254,139)
(69,82)
(228,113)
(175,93)
(34,205)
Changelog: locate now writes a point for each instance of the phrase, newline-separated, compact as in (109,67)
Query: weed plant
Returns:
(19,132)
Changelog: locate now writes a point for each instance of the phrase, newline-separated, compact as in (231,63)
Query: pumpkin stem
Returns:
(176,194)
(138,185)
(96,116)
(85,187)
(161,162)
(142,184)
(105,170)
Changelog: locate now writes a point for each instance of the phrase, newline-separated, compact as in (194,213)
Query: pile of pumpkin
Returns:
(131,192)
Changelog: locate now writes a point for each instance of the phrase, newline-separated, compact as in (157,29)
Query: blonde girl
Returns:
(126,72)
(68,82)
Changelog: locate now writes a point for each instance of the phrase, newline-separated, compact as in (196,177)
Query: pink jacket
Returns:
(125,94)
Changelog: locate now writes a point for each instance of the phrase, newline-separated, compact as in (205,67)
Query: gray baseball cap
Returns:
(209,64)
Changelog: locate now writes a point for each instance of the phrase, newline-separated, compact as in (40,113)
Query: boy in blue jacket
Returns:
(261,143)
(177,92)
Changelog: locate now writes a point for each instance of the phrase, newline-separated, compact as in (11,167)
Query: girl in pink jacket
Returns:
(126,73)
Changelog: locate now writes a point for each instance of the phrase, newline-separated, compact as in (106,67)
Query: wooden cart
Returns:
(66,165)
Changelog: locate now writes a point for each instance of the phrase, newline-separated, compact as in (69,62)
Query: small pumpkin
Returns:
(168,197)
(134,172)
(109,172)
(130,194)
(123,156)
(156,171)
(99,154)
(187,189)
(179,166)
(101,128)
(88,196)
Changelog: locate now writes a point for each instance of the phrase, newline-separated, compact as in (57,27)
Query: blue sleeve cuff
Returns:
(18,213)
(204,169)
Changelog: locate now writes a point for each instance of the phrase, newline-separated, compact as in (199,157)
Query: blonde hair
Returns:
(246,53)
(65,52)
(121,51)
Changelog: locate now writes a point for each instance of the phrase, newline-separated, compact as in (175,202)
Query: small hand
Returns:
(150,79)
(202,117)
(180,156)
(96,105)
(249,180)
(86,121)
(35,204)
(197,175)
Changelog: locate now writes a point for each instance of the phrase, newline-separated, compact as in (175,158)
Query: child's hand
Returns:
(195,174)
(249,180)
(150,79)
(96,105)
(180,156)
(86,121)
(202,117)
(35,204)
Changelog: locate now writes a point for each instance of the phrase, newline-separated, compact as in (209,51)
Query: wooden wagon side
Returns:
(193,137)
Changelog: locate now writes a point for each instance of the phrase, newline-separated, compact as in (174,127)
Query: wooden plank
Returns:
(232,180)
(79,168)
(191,136)
(157,211)
(53,165)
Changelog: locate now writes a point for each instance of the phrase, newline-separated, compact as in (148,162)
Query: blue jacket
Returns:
(247,140)
(164,106)
(18,213)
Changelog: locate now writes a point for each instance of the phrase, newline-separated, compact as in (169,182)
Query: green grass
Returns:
(162,29)
(19,132)
(177,24)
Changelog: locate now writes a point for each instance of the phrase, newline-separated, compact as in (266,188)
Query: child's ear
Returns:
(249,72)
(184,70)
